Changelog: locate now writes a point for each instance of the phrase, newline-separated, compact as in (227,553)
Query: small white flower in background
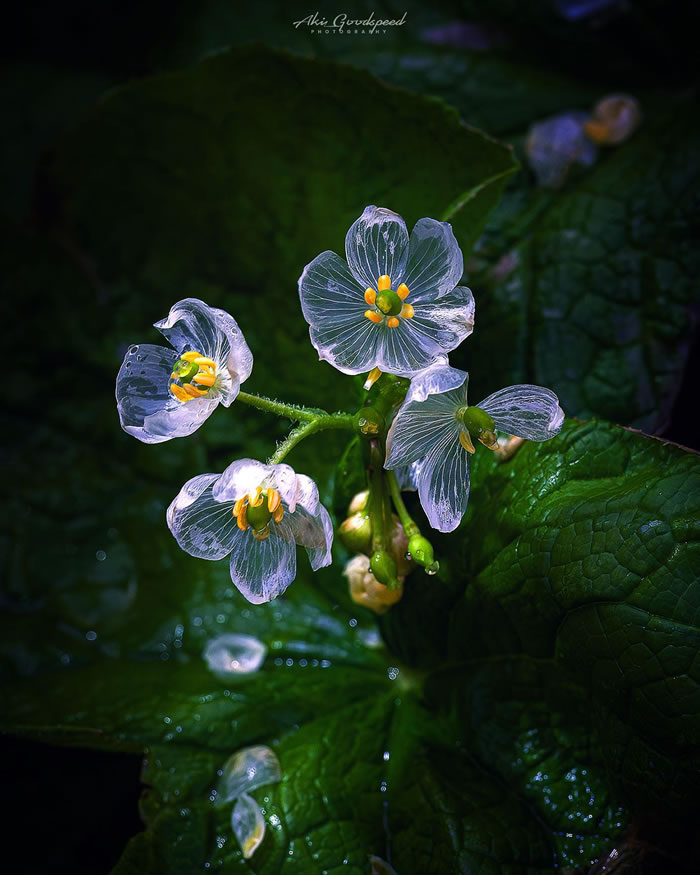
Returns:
(434,429)
(256,513)
(164,393)
(395,305)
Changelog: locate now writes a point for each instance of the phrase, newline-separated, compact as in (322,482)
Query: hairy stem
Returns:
(291,411)
(309,427)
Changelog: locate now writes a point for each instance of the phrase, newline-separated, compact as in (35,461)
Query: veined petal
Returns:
(313,531)
(446,321)
(530,412)
(244,475)
(142,388)
(407,349)
(193,325)
(436,380)
(376,245)
(435,263)
(443,483)
(349,344)
(407,476)
(329,292)
(202,526)
(420,427)
(262,570)
(179,420)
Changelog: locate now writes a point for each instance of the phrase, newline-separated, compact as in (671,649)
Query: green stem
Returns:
(291,411)
(407,521)
(377,496)
(309,427)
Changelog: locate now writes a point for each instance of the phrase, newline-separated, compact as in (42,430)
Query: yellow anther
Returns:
(238,506)
(370,297)
(209,379)
(242,516)
(373,316)
(255,499)
(278,514)
(372,378)
(393,322)
(383,282)
(193,391)
(191,356)
(407,312)
(204,362)
(466,441)
(273,500)
(402,291)
(180,393)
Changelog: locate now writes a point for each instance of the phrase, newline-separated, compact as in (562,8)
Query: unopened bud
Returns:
(366,590)
(383,567)
(355,532)
(421,550)
(359,502)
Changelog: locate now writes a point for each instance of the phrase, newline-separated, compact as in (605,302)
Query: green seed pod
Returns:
(477,421)
(422,552)
(383,567)
(259,516)
(355,532)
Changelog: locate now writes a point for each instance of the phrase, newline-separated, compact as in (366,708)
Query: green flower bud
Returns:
(422,552)
(368,422)
(356,533)
(359,501)
(383,567)
(185,370)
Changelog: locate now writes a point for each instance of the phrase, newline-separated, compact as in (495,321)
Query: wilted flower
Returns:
(256,513)
(435,426)
(164,393)
(395,305)
(366,590)
(554,145)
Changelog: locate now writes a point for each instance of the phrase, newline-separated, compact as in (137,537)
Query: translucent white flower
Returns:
(164,393)
(256,513)
(395,305)
(434,427)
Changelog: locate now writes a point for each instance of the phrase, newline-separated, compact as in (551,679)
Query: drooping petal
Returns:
(262,570)
(445,322)
(436,380)
(443,482)
(530,412)
(245,475)
(407,476)
(193,325)
(377,245)
(248,824)
(313,531)
(142,388)
(435,263)
(202,526)
(422,426)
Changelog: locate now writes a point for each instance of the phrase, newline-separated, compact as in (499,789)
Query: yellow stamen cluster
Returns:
(200,383)
(255,499)
(375,314)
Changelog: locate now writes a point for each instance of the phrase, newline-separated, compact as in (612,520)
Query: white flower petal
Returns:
(328,291)
(193,325)
(422,426)
(443,482)
(262,570)
(530,412)
(202,526)
(405,350)
(246,770)
(435,263)
(306,493)
(437,379)
(178,420)
(313,531)
(349,345)
(407,476)
(142,388)
(248,824)
(245,475)
(375,245)
(446,322)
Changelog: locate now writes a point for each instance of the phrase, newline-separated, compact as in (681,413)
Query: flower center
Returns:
(193,376)
(257,510)
(479,424)
(387,303)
